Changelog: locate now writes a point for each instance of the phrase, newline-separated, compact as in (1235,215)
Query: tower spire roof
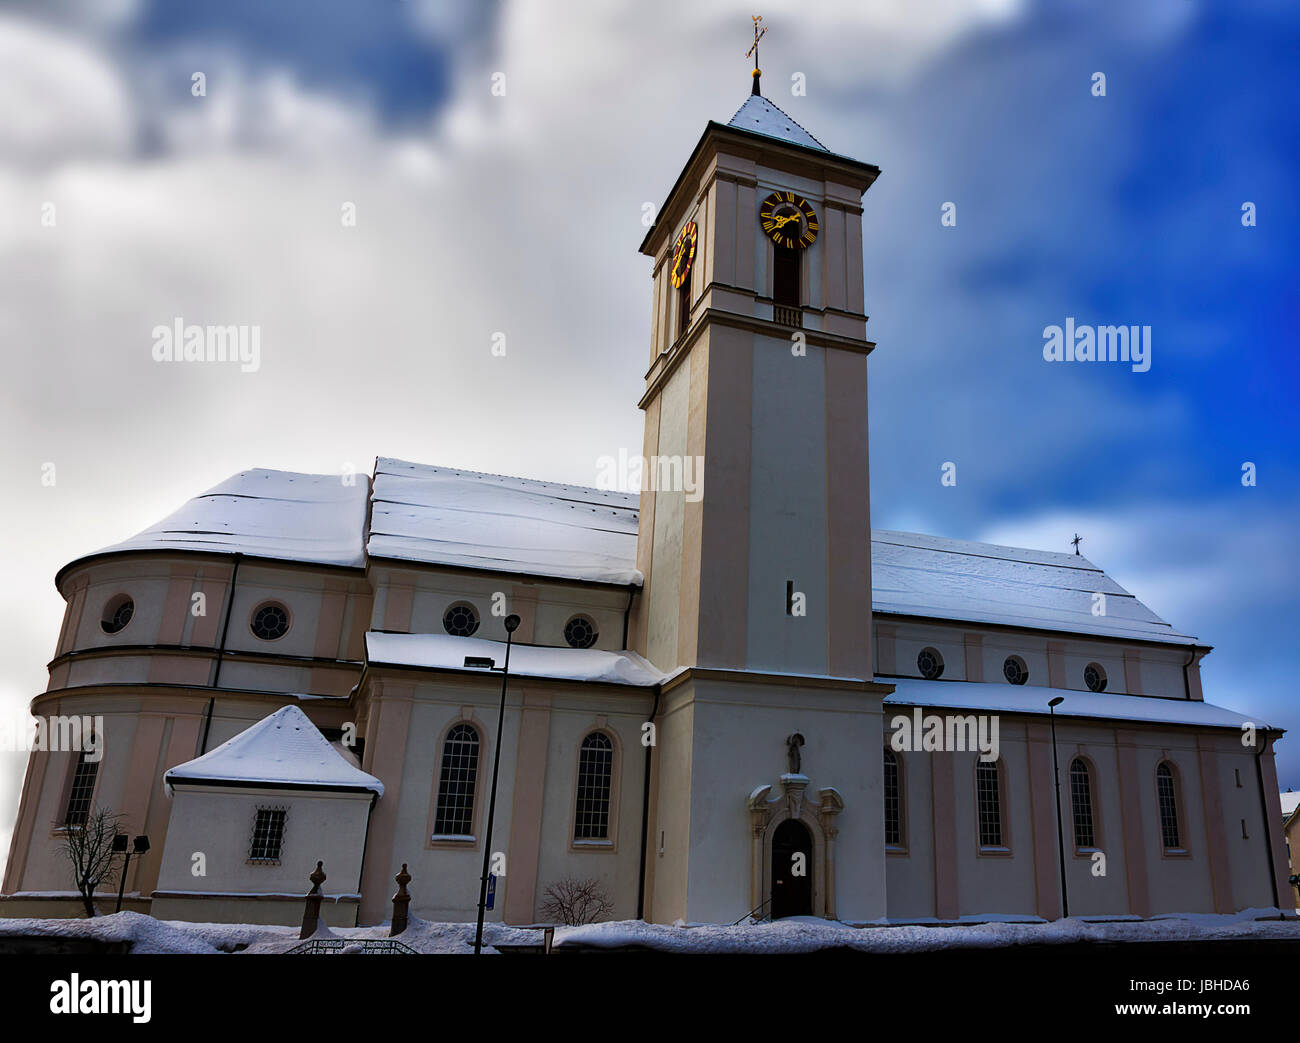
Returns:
(760,116)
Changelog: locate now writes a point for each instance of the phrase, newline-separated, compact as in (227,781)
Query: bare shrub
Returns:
(573,902)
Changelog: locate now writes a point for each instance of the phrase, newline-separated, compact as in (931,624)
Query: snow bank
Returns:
(807,934)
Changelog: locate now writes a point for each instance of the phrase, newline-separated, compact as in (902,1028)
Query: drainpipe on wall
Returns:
(1268,833)
(645,816)
(627,612)
(221,650)
(1187,685)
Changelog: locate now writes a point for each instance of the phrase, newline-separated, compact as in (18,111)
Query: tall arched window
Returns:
(988,801)
(81,791)
(1085,836)
(595,779)
(893,802)
(455,810)
(1166,796)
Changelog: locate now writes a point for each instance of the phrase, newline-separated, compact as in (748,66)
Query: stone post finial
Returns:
(401,901)
(311,909)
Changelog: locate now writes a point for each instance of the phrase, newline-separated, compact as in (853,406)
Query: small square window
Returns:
(268,835)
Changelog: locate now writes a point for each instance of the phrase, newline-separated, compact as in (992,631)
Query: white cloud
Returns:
(59,99)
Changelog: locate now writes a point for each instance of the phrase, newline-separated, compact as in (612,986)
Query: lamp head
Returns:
(512,623)
(141,844)
(119,842)
(1057,701)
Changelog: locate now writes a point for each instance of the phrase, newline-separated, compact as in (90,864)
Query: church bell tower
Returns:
(757,573)
(758,375)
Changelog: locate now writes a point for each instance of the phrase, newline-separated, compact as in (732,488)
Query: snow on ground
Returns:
(146,935)
(795,935)
(808,934)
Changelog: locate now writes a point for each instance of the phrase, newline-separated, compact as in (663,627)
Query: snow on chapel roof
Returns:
(284,749)
(760,116)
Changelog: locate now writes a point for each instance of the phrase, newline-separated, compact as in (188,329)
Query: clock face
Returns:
(684,254)
(789,220)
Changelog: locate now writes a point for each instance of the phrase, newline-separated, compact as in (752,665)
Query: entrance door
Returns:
(791,870)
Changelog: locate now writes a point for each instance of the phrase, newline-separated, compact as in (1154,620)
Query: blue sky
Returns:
(1121,209)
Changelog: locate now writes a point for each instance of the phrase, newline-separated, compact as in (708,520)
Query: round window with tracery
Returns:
(1014,670)
(460,620)
(580,632)
(117,614)
(930,663)
(270,621)
(1094,676)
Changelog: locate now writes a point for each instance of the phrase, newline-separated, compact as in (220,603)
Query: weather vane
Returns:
(758,35)
(1076,541)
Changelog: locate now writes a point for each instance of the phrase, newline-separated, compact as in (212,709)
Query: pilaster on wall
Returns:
(1042,796)
(974,648)
(1132,673)
(1216,840)
(38,763)
(947,900)
(386,733)
(1056,664)
(886,649)
(1130,803)
(526,817)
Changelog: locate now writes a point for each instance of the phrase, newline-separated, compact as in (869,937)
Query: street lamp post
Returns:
(1060,836)
(141,846)
(512,624)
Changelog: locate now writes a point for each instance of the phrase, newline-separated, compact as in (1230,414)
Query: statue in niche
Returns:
(795,758)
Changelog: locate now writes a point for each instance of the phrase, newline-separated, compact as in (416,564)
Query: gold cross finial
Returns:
(758,35)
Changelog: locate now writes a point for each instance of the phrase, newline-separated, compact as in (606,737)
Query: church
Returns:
(726,698)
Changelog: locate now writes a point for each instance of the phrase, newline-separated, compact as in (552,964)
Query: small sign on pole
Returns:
(492,890)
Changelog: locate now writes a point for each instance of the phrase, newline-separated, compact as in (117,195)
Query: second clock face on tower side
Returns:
(684,254)
(789,220)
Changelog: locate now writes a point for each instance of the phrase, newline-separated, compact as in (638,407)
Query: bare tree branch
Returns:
(89,850)
(573,902)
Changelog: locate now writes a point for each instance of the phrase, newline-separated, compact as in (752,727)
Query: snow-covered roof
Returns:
(447,516)
(1290,800)
(453,517)
(1032,699)
(760,116)
(274,514)
(444,652)
(284,749)
(931,576)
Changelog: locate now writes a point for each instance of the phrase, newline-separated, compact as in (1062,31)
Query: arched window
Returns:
(893,801)
(595,778)
(988,802)
(1081,804)
(82,790)
(1166,796)
(455,811)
